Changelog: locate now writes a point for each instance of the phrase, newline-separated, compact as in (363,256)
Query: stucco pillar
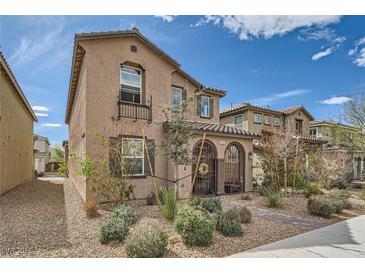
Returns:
(220,176)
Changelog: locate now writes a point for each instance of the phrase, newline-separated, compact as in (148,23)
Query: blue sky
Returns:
(275,61)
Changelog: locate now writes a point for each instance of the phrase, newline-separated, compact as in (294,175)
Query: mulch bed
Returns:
(43,219)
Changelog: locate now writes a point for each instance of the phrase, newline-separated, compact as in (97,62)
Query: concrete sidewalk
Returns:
(340,240)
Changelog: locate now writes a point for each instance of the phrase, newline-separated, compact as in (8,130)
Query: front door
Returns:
(205,182)
(233,169)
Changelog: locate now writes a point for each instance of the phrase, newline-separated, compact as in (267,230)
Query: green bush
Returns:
(195,201)
(151,198)
(312,189)
(195,226)
(245,215)
(342,184)
(148,242)
(246,197)
(342,196)
(319,206)
(273,197)
(125,213)
(113,229)
(213,204)
(229,223)
(336,204)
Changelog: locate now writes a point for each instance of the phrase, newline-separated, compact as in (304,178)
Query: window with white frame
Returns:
(238,120)
(277,121)
(177,97)
(313,132)
(205,106)
(131,84)
(133,156)
(257,118)
(267,120)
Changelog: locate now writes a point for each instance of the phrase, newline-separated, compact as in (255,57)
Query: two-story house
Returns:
(326,130)
(16,131)
(119,83)
(41,153)
(261,120)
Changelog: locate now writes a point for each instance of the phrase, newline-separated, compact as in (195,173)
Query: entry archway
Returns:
(234,168)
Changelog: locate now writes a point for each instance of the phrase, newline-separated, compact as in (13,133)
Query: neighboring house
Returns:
(16,131)
(42,153)
(326,130)
(261,120)
(119,83)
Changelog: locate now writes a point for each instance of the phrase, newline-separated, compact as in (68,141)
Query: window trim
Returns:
(254,120)
(201,106)
(172,95)
(269,117)
(134,157)
(234,120)
(140,83)
(313,129)
(277,119)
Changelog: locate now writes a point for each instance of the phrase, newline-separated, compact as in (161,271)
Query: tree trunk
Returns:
(177,175)
(285,175)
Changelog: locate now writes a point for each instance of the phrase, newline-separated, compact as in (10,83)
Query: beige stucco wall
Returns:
(95,106)
(16,138)
(290,121)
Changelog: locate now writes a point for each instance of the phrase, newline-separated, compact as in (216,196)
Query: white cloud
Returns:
(358,53)
(51,125)
(321,54)
(46,42)
(39,114)
(40,108)
(275,97)
(248,27)
(336,100)
(167,18)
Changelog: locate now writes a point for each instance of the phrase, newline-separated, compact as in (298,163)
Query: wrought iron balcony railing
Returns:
(135,111)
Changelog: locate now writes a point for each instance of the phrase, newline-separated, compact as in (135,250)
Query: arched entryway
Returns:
(234,168)
(205,182)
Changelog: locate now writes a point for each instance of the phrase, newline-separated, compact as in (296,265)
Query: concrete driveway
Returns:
(341,240)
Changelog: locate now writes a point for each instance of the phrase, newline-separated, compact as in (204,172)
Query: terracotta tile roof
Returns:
(331,123)
(78,53)
(248,106)
(291,109)
(226,130)
(11,75)
(312,139)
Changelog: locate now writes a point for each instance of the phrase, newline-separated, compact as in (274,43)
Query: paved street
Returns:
(340,240)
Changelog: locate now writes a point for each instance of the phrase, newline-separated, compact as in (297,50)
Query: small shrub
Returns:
(341,195)
(342,184)
(362,195)
(245,215)
(168,201)
(195,226)
(195,201)
(113,229)
(91,209)
(246,197)
(319,206)
(312,189)
(273,197)
(148,242)
(40,174)
(151,198)
(336,204)
(229,223)
(213,204)
(125,213)
(63,169)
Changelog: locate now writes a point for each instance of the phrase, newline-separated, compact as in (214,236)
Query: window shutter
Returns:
(211,104)
(184,95)
(198,104)
(151,152)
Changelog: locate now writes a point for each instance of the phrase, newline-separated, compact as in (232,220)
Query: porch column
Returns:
(220,176)
(354,161)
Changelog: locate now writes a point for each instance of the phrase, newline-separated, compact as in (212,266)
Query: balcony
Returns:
(135,111)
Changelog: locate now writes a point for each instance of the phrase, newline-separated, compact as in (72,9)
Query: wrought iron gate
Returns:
(205,182)
(233,169)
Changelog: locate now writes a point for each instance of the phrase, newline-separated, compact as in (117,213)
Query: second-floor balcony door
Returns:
(130,85)
(298,126)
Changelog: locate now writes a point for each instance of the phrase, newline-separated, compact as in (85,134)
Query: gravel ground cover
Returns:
(45,219)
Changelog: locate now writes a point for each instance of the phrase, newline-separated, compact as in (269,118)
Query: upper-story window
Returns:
(238,120)
(277,121)
(178,95)
(299,126)
(257,118)
(267,120)
(205,106)
(130,84)
(313,132)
